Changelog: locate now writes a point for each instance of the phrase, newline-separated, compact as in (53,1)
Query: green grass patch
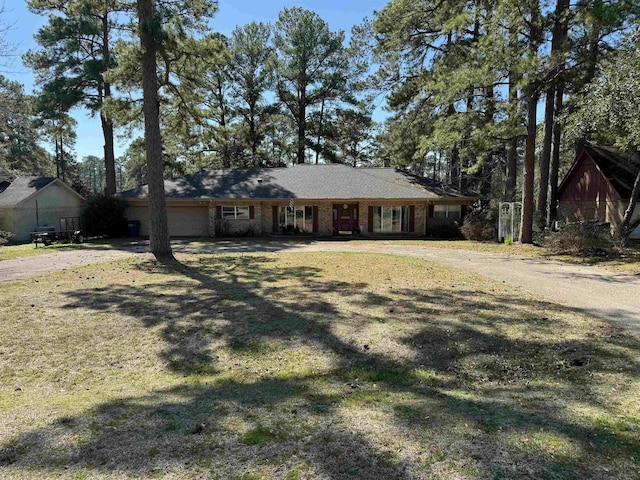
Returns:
(258,436)
(307,365)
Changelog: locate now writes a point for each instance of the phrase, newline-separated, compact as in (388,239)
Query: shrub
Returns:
(105,215)
(223,229)
(5,237)
(584,238)
(446,232)
(478,229)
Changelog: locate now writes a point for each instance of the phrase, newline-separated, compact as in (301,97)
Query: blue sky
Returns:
(339,14)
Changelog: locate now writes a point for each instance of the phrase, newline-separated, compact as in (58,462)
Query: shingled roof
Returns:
(22,188)
(618,168)
(316,182)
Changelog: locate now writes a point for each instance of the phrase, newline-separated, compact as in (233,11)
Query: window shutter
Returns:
(218,211)
(276,222)
(412,218)
(431,209)
(370,219)
(463,211)
(315,219)
(252,212)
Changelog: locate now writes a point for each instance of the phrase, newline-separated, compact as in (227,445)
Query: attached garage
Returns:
(188,221)
(184,220)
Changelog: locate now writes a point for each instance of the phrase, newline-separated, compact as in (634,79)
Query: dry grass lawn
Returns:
(307,366)
(9,252)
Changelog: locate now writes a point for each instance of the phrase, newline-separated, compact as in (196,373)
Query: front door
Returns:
(345,218)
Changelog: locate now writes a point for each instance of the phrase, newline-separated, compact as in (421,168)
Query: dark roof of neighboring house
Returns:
(618,168)
(301,181)
(4,184)
(22,188)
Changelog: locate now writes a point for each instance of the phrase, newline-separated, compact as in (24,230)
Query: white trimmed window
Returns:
(235,213)
(300,218)
(453,212)
(390,219)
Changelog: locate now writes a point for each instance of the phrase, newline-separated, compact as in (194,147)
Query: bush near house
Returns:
(588,238)
(105,215)
(5,237)
(478,229)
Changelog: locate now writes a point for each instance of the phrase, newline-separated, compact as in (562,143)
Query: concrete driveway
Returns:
(590,290)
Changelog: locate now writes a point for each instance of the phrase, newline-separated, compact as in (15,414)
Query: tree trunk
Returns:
(58,160)
(320,132)
(455,167)
(226,158)
(512,145)
(545,158)
(302,128)
(253,135)
(109,155)
(526,220)
(159,241)
(107,124)
(555,159)
(560,28)
(627,226)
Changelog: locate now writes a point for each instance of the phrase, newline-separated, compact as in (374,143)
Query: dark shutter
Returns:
(276,222)
(463,211)
(370,226)
(218,211)
(431,209)
(252,212)
(315,219)
(412,219)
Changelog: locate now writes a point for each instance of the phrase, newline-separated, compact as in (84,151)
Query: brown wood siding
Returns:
(218,211)
(412,218)
(587,184)
(276,222)
(252,212)
(431,210)
(463,211)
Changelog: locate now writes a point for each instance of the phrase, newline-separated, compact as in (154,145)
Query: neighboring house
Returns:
(598,187)
(27,203)
(315,199)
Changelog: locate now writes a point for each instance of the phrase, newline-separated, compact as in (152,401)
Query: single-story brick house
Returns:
(315,199)
(598,187)
(30,202)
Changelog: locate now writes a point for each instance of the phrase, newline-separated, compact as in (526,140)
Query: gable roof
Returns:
(22,188)
(332,181)
(619,169)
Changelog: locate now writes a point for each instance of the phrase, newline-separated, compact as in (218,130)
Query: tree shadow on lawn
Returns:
(457,398)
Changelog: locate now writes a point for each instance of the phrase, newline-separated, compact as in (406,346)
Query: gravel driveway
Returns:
(591,290)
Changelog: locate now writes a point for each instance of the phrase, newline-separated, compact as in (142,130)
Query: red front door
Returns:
(345,218)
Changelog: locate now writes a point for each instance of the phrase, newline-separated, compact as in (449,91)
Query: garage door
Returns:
(188,221)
